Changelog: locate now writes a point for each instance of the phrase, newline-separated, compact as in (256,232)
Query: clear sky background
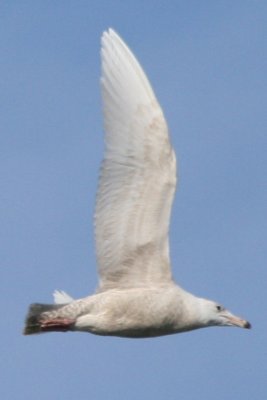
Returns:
(207,63)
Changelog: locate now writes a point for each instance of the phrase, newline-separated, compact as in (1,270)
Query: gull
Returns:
(136,296)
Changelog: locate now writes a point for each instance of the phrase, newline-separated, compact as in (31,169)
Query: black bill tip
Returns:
(247,325)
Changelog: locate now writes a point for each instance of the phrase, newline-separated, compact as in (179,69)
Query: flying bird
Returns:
(136,296)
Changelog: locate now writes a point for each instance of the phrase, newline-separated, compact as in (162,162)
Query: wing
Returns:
(137,178)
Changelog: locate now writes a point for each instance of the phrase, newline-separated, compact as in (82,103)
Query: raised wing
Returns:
(137,178)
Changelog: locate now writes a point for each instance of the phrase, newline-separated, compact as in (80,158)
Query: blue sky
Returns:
(207,63)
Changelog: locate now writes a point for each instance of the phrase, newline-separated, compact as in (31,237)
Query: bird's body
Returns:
(137,296)
(135,313)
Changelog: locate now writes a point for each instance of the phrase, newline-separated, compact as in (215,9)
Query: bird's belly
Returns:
(132,314)
(138,333)
(128,323)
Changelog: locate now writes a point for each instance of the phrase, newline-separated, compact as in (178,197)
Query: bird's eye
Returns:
(219,308)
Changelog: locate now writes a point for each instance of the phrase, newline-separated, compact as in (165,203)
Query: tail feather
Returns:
(33,318)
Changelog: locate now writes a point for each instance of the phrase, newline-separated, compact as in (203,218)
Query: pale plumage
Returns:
(136,296)
(138,176)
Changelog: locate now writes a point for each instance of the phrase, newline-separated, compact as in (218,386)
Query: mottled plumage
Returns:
(137,296)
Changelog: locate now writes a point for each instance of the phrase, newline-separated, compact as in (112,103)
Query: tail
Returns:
(34,317)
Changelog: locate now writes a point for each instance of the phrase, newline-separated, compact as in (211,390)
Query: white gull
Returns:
(137,296)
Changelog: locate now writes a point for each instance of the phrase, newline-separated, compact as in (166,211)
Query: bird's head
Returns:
(214,314)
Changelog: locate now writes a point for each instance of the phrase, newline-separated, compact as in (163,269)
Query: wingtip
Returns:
(109,34)
(109,31)
(61,297)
